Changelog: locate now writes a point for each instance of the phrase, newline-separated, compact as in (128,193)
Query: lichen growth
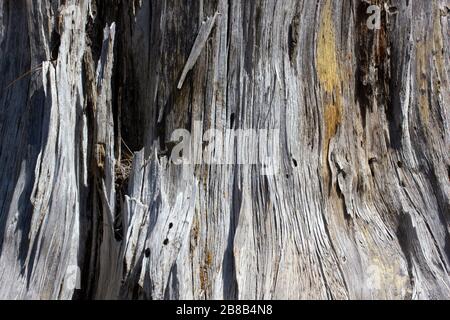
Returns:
(327,65)
(328,74)
(332,119)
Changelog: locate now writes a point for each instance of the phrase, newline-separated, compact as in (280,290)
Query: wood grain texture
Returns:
(91,91)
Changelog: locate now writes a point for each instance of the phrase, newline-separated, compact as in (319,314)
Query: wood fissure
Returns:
(93,207)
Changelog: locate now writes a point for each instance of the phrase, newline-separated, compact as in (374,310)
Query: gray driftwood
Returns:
(91,207)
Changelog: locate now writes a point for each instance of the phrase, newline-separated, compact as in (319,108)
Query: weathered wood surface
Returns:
(359,208)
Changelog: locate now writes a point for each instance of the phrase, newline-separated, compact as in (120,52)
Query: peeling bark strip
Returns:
(91,206)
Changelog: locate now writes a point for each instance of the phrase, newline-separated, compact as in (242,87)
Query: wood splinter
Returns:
(200,41)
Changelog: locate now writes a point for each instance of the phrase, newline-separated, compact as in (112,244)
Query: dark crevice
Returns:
(104,15)
(293,37)
(406,242)
(232,120)
(55,43)
(363,51)
(372,162)
(377,74)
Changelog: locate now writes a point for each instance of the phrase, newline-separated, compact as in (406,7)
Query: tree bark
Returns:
(92,207)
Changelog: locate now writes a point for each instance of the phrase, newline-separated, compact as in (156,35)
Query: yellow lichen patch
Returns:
(329,78)
(327,66)
(208,258)
(205,269)
(332,120)
(203,278)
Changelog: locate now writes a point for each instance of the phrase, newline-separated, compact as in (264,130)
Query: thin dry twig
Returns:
(36,68)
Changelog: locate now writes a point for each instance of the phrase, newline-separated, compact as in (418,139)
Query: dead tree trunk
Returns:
(91,205)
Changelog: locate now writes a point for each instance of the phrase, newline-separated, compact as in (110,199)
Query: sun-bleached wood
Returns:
(90,92)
